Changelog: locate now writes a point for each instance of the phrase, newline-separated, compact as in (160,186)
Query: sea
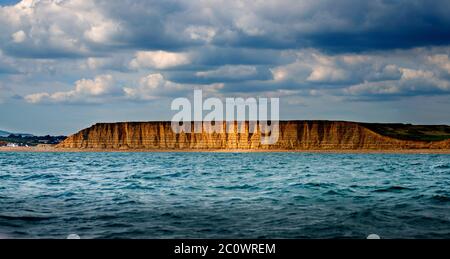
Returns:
(224,195)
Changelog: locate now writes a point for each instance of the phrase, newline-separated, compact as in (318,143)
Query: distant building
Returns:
(3,144)
(12,145)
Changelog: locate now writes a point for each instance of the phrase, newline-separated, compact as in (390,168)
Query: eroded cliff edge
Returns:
(294,135)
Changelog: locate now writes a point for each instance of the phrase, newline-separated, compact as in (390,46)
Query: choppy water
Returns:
(224,195)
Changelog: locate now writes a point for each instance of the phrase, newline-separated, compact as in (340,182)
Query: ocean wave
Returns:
(394,189)
(440,198)
(26,218)
(442,166)
(208,195)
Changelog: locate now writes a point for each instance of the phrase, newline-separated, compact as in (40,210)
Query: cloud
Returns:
(166,48)
(348,25)
(320,55)
(151,87)
(102,32)
(158,60)
(412,82)
(155,86)
(233,72)
(441,60)
(54,28)
(7,65)
(19,36)
(373,76)
(306,72)
(376,90)
(85,91)
(114,63)
(200,33)
(74,28)
(314,67)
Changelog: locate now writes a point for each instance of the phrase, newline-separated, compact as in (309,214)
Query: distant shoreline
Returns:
(331,151)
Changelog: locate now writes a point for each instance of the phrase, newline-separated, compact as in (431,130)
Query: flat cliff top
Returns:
(410,132)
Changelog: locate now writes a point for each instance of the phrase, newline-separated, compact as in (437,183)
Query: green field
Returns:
(411,132)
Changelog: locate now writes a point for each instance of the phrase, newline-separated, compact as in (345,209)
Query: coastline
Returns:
(49,149)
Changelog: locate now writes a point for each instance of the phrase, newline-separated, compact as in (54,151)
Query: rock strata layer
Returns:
(293,135)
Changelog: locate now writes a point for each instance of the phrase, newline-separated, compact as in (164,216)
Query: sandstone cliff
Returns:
(294,135)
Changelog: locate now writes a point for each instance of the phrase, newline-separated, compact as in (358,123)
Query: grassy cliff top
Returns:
(411,132)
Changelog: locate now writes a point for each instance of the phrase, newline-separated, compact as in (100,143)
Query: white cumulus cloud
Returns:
(441,60)
(154,86)
(86,90)
(158,59)
(49,28)
(19,36)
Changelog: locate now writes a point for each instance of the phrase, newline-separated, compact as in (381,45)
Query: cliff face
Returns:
(294,135)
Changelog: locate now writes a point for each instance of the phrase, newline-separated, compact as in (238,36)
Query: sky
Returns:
(68,64)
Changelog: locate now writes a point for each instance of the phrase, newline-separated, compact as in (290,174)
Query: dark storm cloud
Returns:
(349,47)
(147,24)
(332,26)
(344,26)
(352,26)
